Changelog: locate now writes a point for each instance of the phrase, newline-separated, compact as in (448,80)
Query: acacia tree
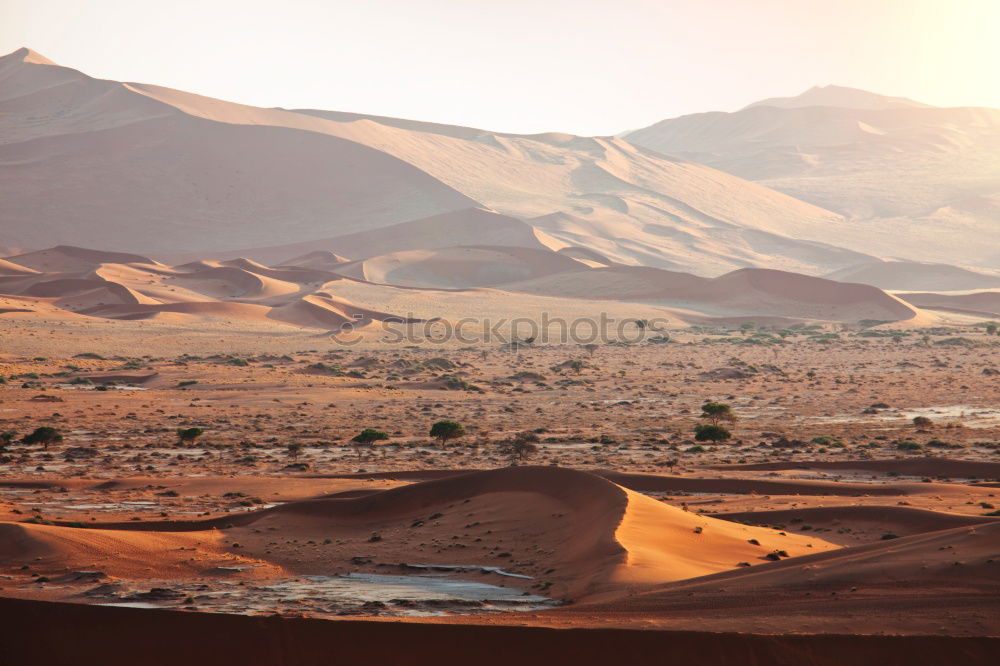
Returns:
(44,435)
(717,412)
(189,435)
(445,430)
(367,437)
(523,444)
(295,450)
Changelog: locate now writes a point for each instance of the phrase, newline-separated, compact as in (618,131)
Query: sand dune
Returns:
(913,276)
(93,283)
(10,268)
(914,584)
(347,174)
(743,292)
(984,304)
(320,259)
(898,520)
(113,552)
(318,311)
(588,534)
(459,267)
(232,282)
(115,133)
(833,147)
(472,226)
(67,258)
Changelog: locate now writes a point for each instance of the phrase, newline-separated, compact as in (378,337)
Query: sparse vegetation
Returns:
(446,430)
(44,435)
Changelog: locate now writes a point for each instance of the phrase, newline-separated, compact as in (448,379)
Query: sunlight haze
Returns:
(588,67)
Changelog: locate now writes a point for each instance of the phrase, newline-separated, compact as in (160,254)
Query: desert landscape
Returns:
(287,386)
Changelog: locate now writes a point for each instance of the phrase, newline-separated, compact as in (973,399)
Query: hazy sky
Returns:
(580,66)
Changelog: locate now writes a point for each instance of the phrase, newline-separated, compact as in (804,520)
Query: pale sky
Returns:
(591,67)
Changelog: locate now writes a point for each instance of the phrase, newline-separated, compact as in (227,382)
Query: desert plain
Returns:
(828,512)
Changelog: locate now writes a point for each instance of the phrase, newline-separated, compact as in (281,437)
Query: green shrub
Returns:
(44,435)
(711,433)
(445,430)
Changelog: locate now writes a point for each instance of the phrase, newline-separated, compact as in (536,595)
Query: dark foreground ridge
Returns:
(56,634)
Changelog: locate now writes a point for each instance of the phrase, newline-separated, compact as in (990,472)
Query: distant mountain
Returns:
(841,97)
(140,168)
(918,182)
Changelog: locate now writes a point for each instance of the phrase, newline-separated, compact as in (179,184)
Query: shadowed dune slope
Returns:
(923,466)
(470,226)
(898,520)
(746,291)
(459,267)
(912,276)
(116,133)
(983,303)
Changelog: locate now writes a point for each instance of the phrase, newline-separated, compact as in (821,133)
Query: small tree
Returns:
(44,435)
(711,433)
(445,430)
(189,435)
(367,437)
(921,422)
(295,450)
(716,412)
(991,328)
(6,438)
(523,445)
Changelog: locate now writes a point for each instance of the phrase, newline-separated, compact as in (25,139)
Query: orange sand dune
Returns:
(320,260)
(290,274)
(232,282)
(947,577)
(141,554)
(584,533)
(67,259)
(323,311)
(10,268)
